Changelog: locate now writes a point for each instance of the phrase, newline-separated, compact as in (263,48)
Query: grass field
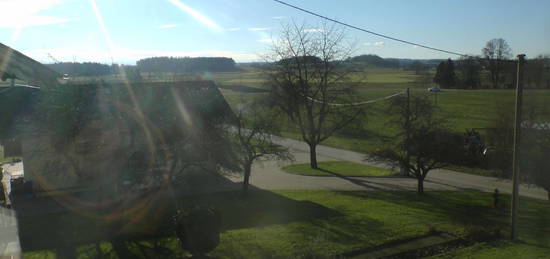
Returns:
(373,77)
(341,168)
(323,224)
(463,109)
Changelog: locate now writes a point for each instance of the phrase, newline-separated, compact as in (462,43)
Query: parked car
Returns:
(434,89)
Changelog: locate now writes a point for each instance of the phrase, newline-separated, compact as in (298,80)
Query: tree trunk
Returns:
(66,251)
(121,249)
(420,185)
(313,156)
(247,170)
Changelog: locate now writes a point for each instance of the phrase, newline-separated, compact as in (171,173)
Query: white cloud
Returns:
(259,29)
(376,44)
(129,56)
(265,40)
(167,26)
(233,29)
(25,13)
(279,17)
(197,15)
(314,30)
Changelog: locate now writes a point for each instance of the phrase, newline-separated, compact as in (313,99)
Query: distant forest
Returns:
(83,69)
(376,61)
(186,64)
(155,64)
(404,63)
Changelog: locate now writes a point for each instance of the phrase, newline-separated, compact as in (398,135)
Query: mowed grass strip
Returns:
(325,224)
(338,168)
(347,221)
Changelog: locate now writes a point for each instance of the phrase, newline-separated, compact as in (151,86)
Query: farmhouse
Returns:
(109,136)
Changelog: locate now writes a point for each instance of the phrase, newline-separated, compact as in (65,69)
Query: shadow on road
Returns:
(450,185)
(365,183)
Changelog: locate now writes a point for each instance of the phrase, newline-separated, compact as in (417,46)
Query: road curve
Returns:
(268,175)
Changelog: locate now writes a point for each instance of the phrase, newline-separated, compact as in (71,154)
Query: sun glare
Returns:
(197,15)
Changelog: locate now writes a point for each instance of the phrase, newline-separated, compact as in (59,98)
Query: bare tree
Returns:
(310,81)
(534,72)
(534,148)
(255,129)
(495,52)
(535,162)
(429,142)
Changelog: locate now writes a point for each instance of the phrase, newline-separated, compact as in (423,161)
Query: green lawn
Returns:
(338,168)
(321,224)
(347,221)
(504,249)
(464,110)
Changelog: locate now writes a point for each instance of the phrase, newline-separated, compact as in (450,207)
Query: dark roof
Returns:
(15,103)
(25,68)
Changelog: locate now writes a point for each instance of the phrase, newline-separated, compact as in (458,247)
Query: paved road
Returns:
(268,175)
(9,238)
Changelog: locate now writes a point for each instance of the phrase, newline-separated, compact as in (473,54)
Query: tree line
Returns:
(376,61)
(84,69)
(493,69)
(186,64)
(154,64)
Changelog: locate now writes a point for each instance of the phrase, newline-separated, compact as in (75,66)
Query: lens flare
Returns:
(197,15)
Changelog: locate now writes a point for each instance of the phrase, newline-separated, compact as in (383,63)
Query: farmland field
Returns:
(463,109)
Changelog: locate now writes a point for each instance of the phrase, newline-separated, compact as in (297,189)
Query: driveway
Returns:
(268,175)
(9,238)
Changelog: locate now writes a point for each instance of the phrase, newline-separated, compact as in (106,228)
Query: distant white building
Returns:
(535,125)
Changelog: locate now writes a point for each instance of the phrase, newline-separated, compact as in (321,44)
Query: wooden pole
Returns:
(408,133)
(517,134)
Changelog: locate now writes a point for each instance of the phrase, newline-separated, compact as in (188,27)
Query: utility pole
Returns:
(408,133)
(517,134)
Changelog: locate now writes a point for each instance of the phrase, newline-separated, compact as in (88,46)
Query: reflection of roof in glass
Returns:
(26,69)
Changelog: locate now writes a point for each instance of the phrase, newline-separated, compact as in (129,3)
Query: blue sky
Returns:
(124,31)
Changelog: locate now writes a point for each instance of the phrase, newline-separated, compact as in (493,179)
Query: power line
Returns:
(371,32)
(28,86)
(356,104)
(53,58)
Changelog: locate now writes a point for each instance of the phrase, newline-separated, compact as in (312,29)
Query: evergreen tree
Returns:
(445,75)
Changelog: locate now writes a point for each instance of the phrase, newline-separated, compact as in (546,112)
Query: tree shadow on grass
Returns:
(152,219)
(464,208)
(262,208)
(534,222)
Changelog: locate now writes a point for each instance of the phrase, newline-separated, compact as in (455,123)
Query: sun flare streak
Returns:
(122,72)
(197,15)
(103,28)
